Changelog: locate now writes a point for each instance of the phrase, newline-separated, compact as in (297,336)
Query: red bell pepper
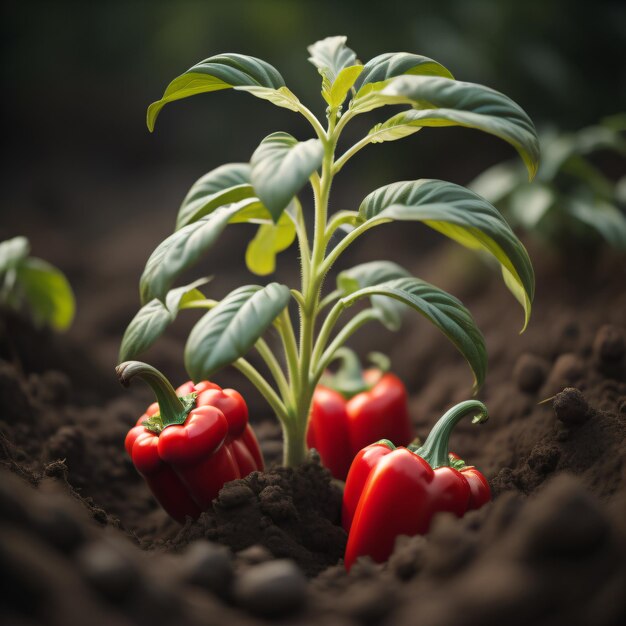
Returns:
(351,409)
(396,491)
(190,442)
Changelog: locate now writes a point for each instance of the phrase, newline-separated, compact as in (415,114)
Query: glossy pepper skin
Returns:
(396,491)
(190,442)
(372,406)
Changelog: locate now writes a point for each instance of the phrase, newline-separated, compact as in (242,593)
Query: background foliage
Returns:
(89,185)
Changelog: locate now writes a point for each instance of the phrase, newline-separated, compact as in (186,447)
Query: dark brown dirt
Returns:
(82,541)
(293,513)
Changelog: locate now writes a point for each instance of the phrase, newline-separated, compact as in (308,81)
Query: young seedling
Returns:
(265,191)
(32,283)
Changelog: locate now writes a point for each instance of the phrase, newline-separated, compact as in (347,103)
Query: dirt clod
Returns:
(609,345)
(530,372)
(567,370)
(571,407)
(108,570)
(209,566)
(272,589)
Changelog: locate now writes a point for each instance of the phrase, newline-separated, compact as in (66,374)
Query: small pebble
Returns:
(209,566)
(255,554)
(272,589)
(108,571)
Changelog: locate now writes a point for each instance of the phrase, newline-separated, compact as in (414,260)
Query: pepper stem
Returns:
(349,380)
(171,408)
(435,448)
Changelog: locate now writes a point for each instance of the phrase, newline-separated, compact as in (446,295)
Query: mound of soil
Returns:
(293,513)
(82,540)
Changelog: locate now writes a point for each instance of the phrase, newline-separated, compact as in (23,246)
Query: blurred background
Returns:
(95,192)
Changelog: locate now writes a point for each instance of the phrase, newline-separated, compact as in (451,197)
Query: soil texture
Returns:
(82,541)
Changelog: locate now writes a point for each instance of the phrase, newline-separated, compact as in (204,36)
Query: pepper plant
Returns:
(33,284)
(572,203)
(265,192)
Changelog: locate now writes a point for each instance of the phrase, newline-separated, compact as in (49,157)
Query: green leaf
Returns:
(396,127)
(47,292)
(368,275)
(392,64)
(223,71)
(444,102)
(331,55)
(153,318)
(444,310)
(530,203)
(338,67)
(459,214)
(594,138)
(499,181)
(281,97)
(13,252)
(368,98)
(269,240)
(378,72)
(281,166)
(229,330)
(223,185)
(336,94)
(607,220)
(186,246)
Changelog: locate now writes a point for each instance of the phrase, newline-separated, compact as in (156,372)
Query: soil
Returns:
(83,542)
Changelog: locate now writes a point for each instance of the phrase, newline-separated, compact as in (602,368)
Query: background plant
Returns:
(265,191)
(32,283)
(572,202)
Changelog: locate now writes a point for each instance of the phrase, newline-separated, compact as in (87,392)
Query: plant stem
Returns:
(263,388)
(329,299)
(336,252)
(327,328)
(298,297)
(270,360)
(343,120)
(290,346)
(294,437)
(339,219)
(435,448)
(342,336)
(303,244)
(295,433)
(317,127)
(171,408)
(348,154)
